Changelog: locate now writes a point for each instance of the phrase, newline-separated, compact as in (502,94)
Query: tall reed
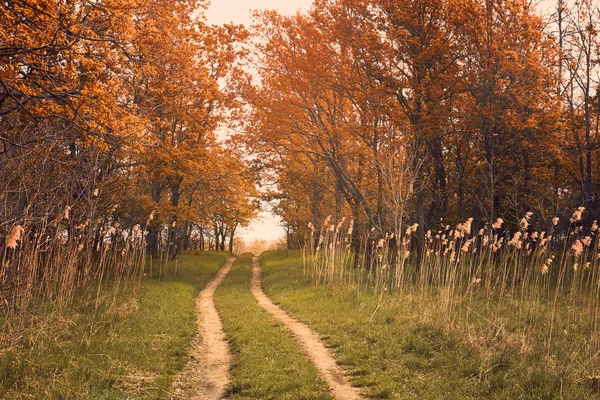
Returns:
(60,258)
(532,285)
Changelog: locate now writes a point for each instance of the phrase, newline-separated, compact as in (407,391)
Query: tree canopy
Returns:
(427,111)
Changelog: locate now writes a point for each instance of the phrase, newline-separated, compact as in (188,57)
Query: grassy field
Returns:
(268,362)
(131,348)
(394,347)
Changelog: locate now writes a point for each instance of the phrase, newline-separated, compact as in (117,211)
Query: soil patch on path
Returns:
(311,343)
(207,373)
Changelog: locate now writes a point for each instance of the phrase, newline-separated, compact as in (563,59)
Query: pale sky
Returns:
(266,226)
(238,11)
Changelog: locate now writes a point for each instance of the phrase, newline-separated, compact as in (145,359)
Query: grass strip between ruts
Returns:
(268,362)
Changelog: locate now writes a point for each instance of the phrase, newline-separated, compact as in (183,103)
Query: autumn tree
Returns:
(109,108)
(64,102)
(576,26)
(464,90)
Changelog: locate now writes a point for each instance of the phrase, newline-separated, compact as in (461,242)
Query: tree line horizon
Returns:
(384,112)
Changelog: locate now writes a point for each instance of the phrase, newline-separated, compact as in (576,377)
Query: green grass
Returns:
(130,350)
(394,347)
(268,362)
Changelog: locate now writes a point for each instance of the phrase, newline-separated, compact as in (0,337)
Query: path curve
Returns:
(311,343)
(207,373)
